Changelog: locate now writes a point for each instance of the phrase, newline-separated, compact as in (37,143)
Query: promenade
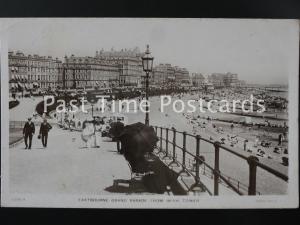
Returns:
(66,166)
(25,109)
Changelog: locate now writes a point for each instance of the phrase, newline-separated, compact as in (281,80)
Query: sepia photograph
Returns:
(149,113)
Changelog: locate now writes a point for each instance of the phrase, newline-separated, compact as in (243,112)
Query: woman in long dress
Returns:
(87,133)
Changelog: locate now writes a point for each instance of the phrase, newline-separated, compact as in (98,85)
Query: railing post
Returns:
(161,131)
(252,174)
(174,149)
(155,130)
(174,144)
(167,143)
(183,149)
(216,169)
(197,158)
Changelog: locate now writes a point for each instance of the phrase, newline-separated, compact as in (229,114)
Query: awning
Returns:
(36,84)
(19,85)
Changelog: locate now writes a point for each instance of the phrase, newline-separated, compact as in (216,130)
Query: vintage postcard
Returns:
(149,113)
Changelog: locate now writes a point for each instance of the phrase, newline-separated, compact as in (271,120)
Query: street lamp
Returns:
(147,60)
(92,100)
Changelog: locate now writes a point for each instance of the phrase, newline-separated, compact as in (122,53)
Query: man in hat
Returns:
(28,131)
(44,130)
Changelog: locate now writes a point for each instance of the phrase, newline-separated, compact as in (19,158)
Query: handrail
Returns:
(272,171)
(172,143)
(227,179)
(207,165)
(252,161)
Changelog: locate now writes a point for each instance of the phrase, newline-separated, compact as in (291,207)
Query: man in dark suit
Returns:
(44,130)
(28,131)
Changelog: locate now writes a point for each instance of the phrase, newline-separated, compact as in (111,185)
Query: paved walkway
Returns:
(65,166)
(20,114)
(25,109)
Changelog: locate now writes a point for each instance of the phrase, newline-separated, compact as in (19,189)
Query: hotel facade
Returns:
(106,69)
(219,80)
(166,73)
(27,71)
(198,80)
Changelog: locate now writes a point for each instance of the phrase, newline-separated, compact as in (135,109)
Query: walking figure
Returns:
(245,144)
(44,130)
(280,138)
(28,131)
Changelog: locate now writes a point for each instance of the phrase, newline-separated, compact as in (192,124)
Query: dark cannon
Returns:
(137,140)
(137,144)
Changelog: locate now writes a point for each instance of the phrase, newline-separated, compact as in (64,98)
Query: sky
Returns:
(259,51)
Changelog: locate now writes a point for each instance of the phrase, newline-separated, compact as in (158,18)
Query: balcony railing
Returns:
(206,169)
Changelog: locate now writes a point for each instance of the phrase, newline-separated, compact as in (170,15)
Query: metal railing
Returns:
(16,124)
(208,170)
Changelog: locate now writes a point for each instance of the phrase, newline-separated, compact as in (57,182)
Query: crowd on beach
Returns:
(265,138)
(229,135)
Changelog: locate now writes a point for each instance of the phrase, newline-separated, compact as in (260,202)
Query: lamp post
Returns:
(93,110)
(147,60)
(61,117)
(93,101)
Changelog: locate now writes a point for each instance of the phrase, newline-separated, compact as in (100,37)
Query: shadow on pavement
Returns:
(127,186)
